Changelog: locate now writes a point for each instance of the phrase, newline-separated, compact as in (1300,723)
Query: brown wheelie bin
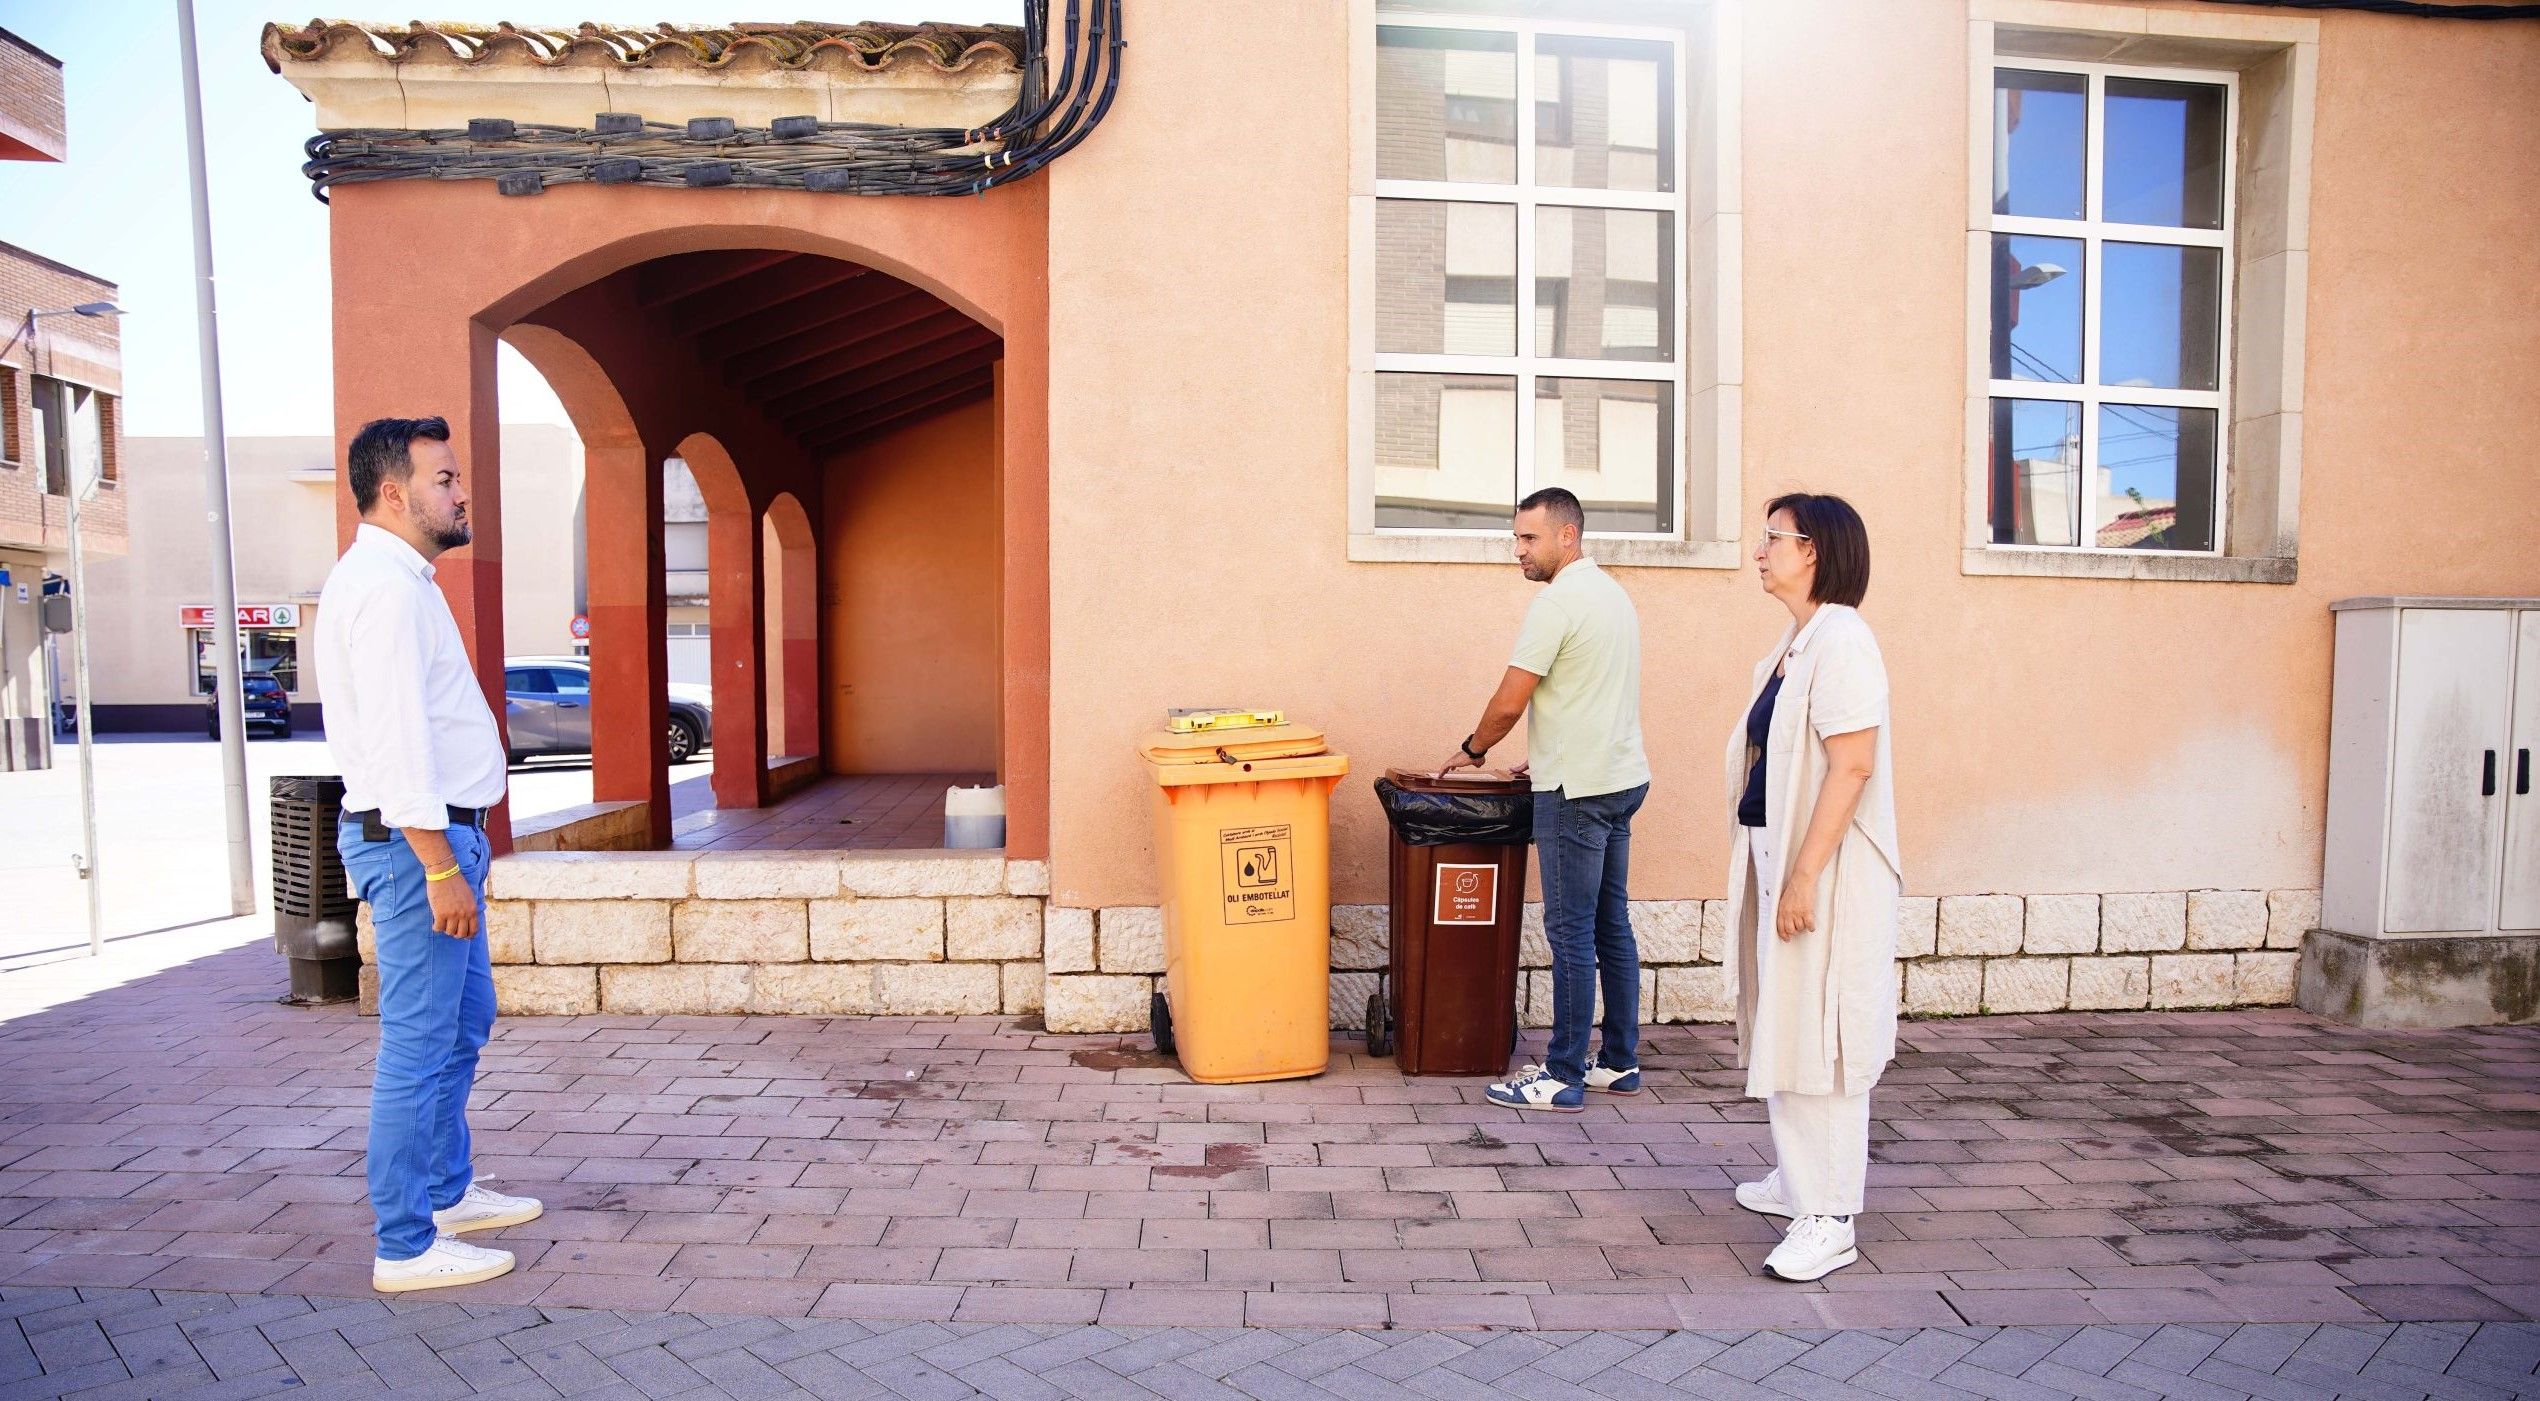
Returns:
(1457,880)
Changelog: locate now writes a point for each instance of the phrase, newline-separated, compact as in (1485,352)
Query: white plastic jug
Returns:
(974,818)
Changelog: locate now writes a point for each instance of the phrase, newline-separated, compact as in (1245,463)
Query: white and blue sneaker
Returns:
(1536,1088)
(1604,1081)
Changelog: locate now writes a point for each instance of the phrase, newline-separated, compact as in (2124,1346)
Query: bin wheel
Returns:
(1160,1020)
(1379,1026)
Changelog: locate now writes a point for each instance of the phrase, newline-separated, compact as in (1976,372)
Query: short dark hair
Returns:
(1842,541)
(1559,504)
(379,453)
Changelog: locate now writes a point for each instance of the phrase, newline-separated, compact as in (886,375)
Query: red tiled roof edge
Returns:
(869,47)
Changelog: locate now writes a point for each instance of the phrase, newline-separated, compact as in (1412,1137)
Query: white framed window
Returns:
(1546,214)
(2137,267)
(2107,330)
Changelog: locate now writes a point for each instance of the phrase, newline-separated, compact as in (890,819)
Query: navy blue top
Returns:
(1759,724)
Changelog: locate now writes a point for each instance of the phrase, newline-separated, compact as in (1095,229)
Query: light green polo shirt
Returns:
(1582,636)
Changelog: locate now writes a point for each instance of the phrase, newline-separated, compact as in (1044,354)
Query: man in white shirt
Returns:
(422,760)
(1575,675)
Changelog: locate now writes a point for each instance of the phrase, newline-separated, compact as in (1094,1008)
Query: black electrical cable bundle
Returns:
(803,153)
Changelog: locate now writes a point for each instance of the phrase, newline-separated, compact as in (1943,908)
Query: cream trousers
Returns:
(1821,1143)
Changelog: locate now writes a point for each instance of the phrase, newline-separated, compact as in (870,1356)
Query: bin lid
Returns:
(1460,781)
(1185,775)
(1189,720)
(1239,745)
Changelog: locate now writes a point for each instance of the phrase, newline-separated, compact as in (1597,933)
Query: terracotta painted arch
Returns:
(905,248)
(734,610)
(427,275)
(792,622)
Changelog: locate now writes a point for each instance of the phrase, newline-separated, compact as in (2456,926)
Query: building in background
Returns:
(685,580)
(61,384)
(151,612)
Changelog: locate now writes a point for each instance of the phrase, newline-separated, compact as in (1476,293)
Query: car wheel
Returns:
(212,729)
(283,731)
(683,740)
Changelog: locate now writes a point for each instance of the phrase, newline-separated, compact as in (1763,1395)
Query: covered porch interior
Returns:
(841,426)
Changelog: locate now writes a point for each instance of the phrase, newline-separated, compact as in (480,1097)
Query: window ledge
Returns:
(1613,554)
(2092,564)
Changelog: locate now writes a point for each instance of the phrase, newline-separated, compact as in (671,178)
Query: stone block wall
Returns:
(678,933)
(939,934)
(1956,955)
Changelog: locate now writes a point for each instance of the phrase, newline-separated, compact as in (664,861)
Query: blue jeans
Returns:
(436,1008)
(1583,849)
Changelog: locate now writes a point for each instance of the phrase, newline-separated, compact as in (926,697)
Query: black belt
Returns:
(374,830)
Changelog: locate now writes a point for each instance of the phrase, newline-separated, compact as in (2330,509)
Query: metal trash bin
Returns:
(313,912)
(1456,882)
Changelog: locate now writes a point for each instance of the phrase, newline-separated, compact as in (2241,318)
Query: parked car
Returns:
(547,708)
(268,707)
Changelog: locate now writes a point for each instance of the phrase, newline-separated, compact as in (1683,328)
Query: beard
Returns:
(449,534)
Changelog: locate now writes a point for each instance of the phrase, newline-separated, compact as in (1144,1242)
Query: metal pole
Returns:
(87,734)
(233,696)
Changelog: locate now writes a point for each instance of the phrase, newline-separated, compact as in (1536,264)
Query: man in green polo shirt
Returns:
(1575,676)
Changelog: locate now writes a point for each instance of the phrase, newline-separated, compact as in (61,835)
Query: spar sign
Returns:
(250,615)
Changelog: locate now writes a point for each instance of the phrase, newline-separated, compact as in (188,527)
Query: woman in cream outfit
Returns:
(1814,883)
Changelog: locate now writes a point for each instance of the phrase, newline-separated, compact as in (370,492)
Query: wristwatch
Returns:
(1467,747)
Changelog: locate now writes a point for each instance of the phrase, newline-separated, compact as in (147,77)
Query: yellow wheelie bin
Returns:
(1243,849)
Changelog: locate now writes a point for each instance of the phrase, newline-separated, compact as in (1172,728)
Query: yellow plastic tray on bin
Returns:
(1243,843)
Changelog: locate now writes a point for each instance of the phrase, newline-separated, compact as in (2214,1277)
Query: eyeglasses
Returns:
(1771,534)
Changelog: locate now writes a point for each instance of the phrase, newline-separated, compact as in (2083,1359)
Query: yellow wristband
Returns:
(444,873)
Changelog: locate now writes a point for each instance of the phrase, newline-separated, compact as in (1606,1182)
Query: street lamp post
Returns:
(233,696)
(76,489)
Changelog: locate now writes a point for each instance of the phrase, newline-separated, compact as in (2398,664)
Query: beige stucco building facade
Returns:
(2111,760)
(149,609)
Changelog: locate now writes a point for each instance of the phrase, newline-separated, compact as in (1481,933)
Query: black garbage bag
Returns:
(1446,819)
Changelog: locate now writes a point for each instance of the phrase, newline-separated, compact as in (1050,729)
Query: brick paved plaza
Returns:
(2253,1202)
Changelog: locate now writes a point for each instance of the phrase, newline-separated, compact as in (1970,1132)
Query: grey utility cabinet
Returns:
(2430,891)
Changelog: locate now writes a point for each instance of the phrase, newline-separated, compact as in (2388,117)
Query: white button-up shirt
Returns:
(405,718)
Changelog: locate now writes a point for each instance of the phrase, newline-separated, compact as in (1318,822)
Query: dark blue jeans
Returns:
(1583,850)
(436,1009)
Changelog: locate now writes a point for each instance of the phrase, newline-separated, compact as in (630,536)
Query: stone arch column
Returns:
(792,623)
(622,526)
(736,608)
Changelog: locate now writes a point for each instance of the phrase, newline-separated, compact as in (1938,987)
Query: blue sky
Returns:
(118,207)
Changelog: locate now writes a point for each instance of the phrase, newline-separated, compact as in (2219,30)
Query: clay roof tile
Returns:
(868,47)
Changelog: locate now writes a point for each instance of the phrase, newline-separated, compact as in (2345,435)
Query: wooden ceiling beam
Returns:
(804,360)
(675,279)
(933,339)
(765,292)
(776,325)
(872,319)
(956,395)
(885,394)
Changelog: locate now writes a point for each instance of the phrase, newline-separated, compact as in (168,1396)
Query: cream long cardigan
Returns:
(1825,1000)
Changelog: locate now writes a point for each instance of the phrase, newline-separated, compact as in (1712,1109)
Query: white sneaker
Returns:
(1534,1087)
(1817,1246)
(484,1209)
(1765,1196)
(446,1262)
